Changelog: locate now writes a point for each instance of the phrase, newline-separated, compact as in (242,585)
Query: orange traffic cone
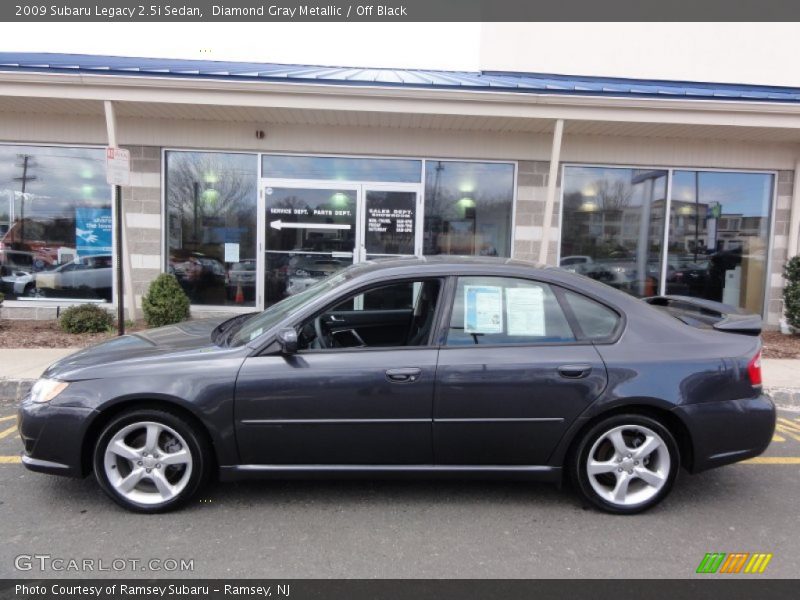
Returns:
(650,286)
(239,295)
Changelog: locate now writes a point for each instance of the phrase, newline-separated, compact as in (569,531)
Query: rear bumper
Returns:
(727,432)
(52,438)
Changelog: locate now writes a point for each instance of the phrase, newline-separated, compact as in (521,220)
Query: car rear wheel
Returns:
(151,461)
(625,464)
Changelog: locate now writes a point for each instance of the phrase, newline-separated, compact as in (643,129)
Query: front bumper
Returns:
(727,432)
(52,437)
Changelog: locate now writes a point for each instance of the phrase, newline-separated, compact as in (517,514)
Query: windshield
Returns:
(255,326)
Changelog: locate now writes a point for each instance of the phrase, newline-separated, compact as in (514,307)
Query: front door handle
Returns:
(574,371)
(403,375)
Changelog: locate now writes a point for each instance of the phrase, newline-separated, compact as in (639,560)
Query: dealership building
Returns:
(249,182)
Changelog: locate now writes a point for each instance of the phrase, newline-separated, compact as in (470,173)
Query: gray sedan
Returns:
(469,367)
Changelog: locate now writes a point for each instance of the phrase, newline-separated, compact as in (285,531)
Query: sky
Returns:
(760,53)
(448,46)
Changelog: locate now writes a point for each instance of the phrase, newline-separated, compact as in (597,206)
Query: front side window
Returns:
(55,208)
(505,310)
(396,315)
(468,208)
(211,212)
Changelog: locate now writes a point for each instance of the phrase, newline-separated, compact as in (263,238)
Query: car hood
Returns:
(187,337)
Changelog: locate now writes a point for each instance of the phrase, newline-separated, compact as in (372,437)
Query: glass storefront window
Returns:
(468,207)
(718,236)
(55,223)
(613,226)
(211,226)
(718,231)
(340,168)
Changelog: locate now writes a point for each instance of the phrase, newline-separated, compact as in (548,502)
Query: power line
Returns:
(26,163)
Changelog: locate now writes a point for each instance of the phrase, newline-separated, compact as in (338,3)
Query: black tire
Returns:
(578,462)
(197,445)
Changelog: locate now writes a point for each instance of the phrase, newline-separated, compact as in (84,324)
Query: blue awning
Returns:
(488,81)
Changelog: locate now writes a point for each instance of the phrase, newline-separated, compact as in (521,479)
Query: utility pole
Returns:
(27,161)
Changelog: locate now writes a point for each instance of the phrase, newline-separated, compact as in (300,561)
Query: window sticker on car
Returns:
(525,311)
(256,333)
(483,309)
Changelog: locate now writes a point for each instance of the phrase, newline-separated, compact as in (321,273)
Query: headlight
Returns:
(45,390)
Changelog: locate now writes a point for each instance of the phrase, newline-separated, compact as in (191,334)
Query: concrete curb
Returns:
(785,397)
(13,390)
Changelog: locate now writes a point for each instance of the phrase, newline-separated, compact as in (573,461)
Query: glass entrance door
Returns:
(310,234)
(313,229)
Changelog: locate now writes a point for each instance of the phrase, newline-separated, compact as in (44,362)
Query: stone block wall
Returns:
(780,245)
(532,177)
(141,203)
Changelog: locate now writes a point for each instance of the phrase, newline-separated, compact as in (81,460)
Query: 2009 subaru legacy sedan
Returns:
(439,366)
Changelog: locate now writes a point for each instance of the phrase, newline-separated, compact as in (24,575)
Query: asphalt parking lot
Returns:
(367,529)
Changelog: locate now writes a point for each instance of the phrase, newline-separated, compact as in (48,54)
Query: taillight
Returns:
(754,369)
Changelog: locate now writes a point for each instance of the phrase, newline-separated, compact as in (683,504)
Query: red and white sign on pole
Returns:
(118,166)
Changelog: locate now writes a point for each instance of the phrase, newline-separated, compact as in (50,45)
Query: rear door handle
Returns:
(574,371)
(409,375)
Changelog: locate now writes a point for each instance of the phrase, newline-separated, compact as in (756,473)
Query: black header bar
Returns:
(705,588)
(398,10)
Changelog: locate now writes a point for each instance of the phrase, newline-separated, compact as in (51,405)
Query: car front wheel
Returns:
(625,464)
(151,461)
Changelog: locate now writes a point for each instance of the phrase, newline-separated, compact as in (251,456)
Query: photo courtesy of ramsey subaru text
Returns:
(467,367)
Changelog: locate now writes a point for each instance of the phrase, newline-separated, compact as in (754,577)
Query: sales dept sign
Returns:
(118,166)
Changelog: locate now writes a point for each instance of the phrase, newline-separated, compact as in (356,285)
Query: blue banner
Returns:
(93,229)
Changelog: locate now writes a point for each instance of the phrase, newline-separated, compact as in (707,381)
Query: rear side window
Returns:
(595,320)
(506,310)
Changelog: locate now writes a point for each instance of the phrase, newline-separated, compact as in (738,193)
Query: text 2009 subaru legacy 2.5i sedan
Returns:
(445,366)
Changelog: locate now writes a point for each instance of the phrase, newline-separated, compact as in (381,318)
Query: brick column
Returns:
(780,243)
(532,179)
(141,203)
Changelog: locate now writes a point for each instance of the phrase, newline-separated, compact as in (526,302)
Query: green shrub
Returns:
(85,318)
(791,293)
(165,302)
(2,297)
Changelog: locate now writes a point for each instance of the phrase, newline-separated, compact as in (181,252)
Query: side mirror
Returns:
(287,339)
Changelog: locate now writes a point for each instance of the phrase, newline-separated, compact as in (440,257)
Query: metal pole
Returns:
(120,285)
(696,212)
(22,200)
(555,158)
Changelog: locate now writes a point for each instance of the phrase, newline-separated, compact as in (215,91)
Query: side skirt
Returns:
(522,472)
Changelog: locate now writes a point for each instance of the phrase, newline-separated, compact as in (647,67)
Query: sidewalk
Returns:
(19,367)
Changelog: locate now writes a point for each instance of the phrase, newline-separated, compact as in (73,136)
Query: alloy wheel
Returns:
(148,463)
(628,465)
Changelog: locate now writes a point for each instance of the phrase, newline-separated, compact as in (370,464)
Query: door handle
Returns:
(574,371)
(403,375)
